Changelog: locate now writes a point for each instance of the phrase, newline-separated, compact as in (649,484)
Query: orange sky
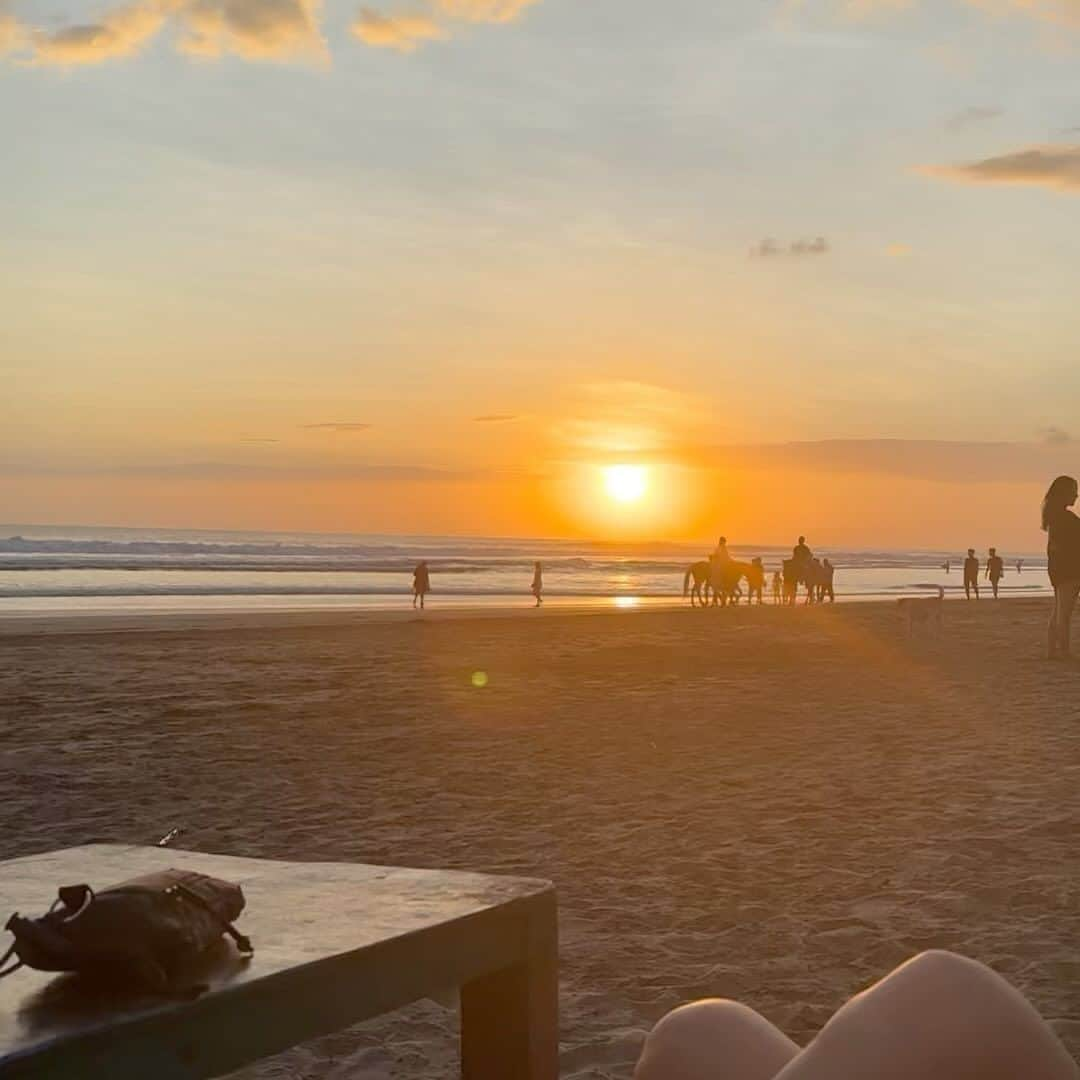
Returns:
(329,266)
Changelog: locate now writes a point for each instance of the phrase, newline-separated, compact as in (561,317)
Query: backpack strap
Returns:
(5,958)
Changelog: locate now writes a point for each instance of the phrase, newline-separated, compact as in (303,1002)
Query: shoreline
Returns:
(67,623)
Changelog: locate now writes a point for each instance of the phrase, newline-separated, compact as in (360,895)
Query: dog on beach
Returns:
(923,611)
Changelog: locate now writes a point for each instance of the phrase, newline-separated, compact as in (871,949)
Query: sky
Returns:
(433,265)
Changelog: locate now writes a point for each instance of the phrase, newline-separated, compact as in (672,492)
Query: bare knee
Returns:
(945,1007)
(714,1039)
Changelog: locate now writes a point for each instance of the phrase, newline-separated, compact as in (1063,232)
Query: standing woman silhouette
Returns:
(538,583)
(1062,528)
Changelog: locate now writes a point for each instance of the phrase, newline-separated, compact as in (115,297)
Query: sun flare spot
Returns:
(626,483)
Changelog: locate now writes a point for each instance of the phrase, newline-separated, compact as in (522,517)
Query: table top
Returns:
(305,920)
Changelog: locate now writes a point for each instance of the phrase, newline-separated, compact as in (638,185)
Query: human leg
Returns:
(938,1017)
(714,1040)
(1066,596)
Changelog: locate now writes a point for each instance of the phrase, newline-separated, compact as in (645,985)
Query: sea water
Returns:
(58,569)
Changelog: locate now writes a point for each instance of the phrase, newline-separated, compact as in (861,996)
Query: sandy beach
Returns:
(774,805)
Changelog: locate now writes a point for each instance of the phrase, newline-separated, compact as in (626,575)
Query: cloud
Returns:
(1055,436)
(1059,11)
(490,11)
(1056,167)
(12,32)
(403,33)
(769,249)
(938,461)
(348,426)
(230,471)
(120,33)
(973,116)
(494,418)
(898,251)
(252,29)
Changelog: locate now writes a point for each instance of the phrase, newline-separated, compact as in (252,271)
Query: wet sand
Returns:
(771,805)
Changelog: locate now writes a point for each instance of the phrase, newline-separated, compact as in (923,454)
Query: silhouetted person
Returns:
(1062,529)
(777,587)
(538,583)
(1019,566)
(421,584)
(791,581)
(721,552)
(946,566)
(755,579)
(827,581)
(801,553)
(995,570)
(971,574)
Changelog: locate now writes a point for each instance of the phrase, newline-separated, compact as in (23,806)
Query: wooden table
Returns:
(335,944)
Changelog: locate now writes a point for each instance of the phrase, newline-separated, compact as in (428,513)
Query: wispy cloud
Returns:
(406,31)
(12,32)
(337,426)
(1059,11)
(770,249)
(1056,167)
(118,33)
(251,29)
(494,418)
(973,116)
(403,33)
(898,251)
(490,11)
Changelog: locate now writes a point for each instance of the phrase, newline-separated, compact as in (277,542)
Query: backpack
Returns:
(137,933)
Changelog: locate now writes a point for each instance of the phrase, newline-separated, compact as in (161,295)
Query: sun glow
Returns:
(626,483)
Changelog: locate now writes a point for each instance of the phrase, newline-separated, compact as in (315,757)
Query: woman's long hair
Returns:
(1060,493)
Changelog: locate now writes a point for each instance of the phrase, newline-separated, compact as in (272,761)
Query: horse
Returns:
(725,577)
(817,578)
(701,572)
(718,577)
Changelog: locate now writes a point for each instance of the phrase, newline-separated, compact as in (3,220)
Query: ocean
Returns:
(71,569)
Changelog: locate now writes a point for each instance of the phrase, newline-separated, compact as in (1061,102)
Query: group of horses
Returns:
(717,581)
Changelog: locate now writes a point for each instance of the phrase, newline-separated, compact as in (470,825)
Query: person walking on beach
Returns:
(946,565)
(826,587)
(777,587)
(995,570)
(971,574)
(755,579)
(1062,528)
(1019,566)
(538,583)
(421,584)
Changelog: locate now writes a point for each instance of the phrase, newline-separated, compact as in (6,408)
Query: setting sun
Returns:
(626,483)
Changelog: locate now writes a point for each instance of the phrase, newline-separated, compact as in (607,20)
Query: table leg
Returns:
(510,1018)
